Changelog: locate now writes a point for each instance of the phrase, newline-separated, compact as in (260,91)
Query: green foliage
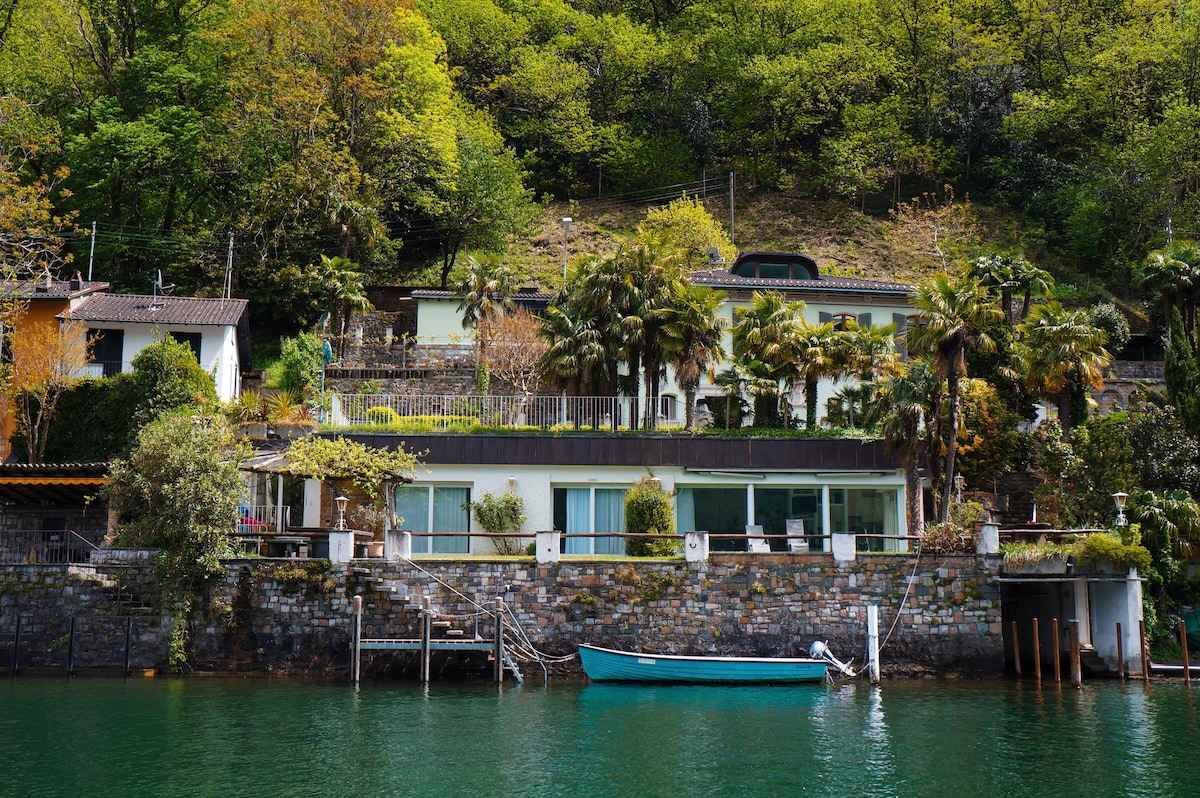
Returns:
(497,514)
(1105,316)
(689,225)
(648,509)
(300,361)
(247,408)
(1101,547)
(368,468)
(166,376)
(313,577)
(956,536)
(178,492)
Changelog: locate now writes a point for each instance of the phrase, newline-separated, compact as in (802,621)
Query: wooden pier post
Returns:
(71,648)
(16,662)
(1120,654)
(426,626)
(499,642)
(128,647)
(1145,650)
(1016,649)
(1076,664)
(357,605)
(1187,670)
(1037,652)
(1057,651)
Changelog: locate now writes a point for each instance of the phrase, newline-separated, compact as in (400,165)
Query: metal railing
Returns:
(45,546)
(446,411)
(105,368)
(268,517)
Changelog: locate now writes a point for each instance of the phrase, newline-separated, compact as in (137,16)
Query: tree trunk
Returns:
(689,408)
(951,444)
(810,403)
(916,502)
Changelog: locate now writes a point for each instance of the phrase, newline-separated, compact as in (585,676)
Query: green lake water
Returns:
(227,737)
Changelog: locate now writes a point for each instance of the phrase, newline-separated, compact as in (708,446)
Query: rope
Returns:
(904,600)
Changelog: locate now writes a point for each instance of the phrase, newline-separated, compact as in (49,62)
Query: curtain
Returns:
(579,519)
(449,515)
(412,508)
(610,517)
(686,510)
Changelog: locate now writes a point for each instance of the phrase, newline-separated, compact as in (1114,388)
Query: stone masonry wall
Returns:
(294,617)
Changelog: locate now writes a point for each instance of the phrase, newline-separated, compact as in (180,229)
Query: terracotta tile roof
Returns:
(55,289)
(138,308)
(440,293)
(723,278)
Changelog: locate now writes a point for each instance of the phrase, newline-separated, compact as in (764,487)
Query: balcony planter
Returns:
(1051,566)
(291,432)
(255,429)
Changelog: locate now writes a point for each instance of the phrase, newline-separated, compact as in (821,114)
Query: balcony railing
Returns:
(447,411)
(45,546)
(263,517)
(105,368)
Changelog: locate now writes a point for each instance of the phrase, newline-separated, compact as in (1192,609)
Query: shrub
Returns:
(497,514)
(648,509)
(1103,546)
(300,361)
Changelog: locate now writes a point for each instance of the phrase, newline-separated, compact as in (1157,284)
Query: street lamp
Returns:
(1119,499)
(566,226)
(341,502)
(959,481)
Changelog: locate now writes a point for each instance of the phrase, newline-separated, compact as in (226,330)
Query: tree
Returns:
(497,514)
(814,353)
(688,225)
(692,338)
(1061,349)
(514,351)
(485,290)
(648,510)
(178,492)
(342,285)
(370,469)
(47,359)
(763,343)
(1174,274)
(952,317)
(166,376)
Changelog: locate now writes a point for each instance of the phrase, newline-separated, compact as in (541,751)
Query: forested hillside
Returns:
(196,133)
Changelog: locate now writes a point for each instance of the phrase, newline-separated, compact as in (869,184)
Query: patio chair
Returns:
(756,545)
(795,526)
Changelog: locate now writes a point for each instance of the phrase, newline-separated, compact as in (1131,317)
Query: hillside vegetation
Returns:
(398,135)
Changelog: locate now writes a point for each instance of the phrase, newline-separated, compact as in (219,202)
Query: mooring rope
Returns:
(904,600)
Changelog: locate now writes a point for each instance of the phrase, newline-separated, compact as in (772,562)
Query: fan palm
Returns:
(692,338)
(1062,348)
(952,317)
(343,287)
(763,342)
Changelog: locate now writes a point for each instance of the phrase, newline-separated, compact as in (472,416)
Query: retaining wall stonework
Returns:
(283,616)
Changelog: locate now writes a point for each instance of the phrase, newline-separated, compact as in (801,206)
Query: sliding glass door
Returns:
(435,508)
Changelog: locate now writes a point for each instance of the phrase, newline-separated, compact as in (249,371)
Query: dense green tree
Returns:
(953,316)
(1061,349)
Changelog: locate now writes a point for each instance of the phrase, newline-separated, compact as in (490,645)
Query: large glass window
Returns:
(590,511)
(435,508)
(866,511)
(716,510)
(774,507)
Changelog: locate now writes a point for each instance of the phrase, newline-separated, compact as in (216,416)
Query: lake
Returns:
(251,737)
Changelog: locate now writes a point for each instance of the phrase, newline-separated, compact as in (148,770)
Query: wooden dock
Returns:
(427,644)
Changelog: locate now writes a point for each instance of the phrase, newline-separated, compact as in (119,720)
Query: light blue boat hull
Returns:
(608,665)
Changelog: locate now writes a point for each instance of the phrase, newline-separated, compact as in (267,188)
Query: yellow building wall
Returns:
(36,312)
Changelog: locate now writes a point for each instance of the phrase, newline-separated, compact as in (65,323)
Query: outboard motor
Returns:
(819,650)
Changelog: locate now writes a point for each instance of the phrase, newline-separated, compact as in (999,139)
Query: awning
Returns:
(51,484)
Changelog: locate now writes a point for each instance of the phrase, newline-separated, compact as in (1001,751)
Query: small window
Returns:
(666,406)
(774,271)
(842,320)
(191,339)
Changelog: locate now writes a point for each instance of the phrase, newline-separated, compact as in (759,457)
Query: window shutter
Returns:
(825,318)
(900,337)
(864,319)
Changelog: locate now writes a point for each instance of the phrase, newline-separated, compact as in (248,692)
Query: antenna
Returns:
(157,287)
(229,269)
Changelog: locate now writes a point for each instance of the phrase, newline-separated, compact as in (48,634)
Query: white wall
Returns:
(218,350)
(440,322)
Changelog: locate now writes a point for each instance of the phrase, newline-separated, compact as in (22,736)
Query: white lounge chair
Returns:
(795,526)
(759,544)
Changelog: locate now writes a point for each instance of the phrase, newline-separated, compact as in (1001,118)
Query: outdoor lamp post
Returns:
(566,226)
(1119,499)
(959,481)
(341,501)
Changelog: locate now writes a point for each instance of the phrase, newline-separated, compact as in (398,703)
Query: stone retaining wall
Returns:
(293,616)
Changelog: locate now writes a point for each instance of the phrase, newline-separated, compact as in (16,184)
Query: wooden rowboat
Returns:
(609,665)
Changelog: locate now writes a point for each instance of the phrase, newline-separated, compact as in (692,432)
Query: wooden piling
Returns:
(1016,649)
(16,660)
(1076,664)
(128,644)
(426,627)
(1057,651)
(1187,671)
(499,642)
(357,606)
(1145,650)
(71,648)
(1120,654)
(1037,652)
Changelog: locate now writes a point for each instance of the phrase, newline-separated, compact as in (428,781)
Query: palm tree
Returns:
(815,354)
(1062,352)
(900,406)
(1030,281)
(863,355)
(487,287)
(763,344)
(952,317)
(343,285)
(1174,272)
(692,338)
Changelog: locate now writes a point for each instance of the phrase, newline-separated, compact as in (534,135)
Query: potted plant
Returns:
(249,415)
(291,416)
